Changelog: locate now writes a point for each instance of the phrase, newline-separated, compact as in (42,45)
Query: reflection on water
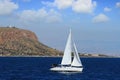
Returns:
(69,73)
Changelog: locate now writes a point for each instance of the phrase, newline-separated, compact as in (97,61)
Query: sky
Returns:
(95,24)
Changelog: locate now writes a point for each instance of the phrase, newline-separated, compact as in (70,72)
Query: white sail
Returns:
(76,59)
(66,60)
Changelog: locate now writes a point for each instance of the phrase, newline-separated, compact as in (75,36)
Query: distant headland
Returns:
(20,42)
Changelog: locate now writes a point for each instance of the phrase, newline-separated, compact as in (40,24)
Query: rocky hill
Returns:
(19,42)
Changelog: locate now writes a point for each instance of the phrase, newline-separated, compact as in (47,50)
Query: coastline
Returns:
(61,56)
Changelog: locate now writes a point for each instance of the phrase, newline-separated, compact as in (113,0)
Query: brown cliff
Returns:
(19,42)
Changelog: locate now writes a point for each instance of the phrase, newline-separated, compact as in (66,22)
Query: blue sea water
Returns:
(37,68)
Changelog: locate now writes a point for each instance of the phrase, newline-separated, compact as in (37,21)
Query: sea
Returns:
(37,68)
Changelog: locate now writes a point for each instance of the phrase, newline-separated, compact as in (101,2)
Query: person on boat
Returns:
(54,65)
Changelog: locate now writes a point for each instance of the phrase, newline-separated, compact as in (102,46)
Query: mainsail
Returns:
(66,60)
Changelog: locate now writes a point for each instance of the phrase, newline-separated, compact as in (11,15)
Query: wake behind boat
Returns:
(68,64)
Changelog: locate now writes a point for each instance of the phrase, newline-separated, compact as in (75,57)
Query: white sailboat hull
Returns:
(67,69)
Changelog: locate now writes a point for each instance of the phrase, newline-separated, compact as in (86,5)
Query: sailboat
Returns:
(69,63)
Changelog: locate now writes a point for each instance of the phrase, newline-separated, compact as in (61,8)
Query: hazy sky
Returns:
(95,24)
